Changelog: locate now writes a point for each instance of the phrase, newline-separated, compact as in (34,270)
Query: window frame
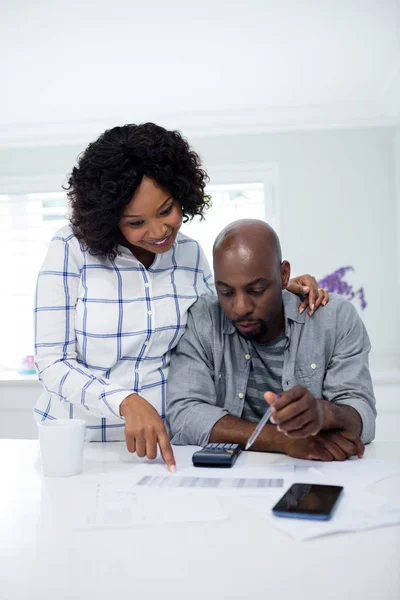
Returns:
(265,173)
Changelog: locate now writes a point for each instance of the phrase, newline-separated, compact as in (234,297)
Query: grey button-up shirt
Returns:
(327,353)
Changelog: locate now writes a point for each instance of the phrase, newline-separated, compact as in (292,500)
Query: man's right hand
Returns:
(325,446)
(144,430)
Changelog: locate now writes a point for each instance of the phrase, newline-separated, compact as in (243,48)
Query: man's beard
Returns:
(260,333)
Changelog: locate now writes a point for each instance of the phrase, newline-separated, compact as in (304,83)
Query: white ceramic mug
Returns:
(61,446)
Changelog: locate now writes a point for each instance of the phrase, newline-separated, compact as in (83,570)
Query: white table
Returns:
(241,558)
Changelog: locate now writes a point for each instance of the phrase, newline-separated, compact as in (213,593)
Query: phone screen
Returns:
(308,499)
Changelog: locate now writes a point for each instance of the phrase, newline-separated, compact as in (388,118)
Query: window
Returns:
(229,203)
(27,223)
(29,220)
(245,192)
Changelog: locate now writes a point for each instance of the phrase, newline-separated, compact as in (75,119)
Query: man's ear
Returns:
(285,273)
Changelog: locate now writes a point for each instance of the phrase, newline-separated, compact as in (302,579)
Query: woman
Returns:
(115,287)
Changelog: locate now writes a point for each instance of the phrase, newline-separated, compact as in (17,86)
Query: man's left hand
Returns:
(326,446)
(297,413)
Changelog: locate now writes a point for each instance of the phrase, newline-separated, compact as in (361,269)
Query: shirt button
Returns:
(146,285)
(136,370)
(145,343)
(241,395)
(149,312)
(313,366)
(247,356)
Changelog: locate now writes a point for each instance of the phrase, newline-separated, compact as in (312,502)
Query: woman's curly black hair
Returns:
(112,167)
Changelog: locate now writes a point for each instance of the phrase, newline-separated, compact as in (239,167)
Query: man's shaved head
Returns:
(249,235)
(250,276)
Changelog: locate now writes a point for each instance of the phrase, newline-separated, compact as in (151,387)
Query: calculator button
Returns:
(221,446)
(234,446)
(211,446)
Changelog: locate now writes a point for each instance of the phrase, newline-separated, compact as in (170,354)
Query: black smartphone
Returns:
(308,501)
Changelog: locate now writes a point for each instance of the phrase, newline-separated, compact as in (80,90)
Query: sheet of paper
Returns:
(240,469)
(113,504)
(351,474)
(216,483)
(356,511)
(354,473)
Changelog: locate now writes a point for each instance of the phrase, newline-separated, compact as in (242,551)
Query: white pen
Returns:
(261,424)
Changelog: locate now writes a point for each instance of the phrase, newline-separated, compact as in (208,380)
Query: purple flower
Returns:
(335,282)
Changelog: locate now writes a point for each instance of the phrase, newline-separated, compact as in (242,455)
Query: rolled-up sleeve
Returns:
(348,380)
(192,409)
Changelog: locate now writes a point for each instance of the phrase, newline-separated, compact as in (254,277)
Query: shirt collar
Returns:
(124,251)
(291,304)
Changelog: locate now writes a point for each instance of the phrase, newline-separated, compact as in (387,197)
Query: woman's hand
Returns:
(308,285)
(144,430)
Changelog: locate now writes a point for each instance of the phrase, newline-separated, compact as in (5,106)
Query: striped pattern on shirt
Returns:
(265,375)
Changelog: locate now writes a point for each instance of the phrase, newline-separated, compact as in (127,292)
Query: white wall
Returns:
(396,160)
(292,60)
(17,399)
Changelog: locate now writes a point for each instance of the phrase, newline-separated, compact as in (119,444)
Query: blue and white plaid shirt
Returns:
(105,329)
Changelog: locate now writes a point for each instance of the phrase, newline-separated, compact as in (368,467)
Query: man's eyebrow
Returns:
(219,282)
(136,216)
(258,280)
(250,283)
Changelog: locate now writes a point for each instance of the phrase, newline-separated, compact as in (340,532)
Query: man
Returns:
(251,346)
